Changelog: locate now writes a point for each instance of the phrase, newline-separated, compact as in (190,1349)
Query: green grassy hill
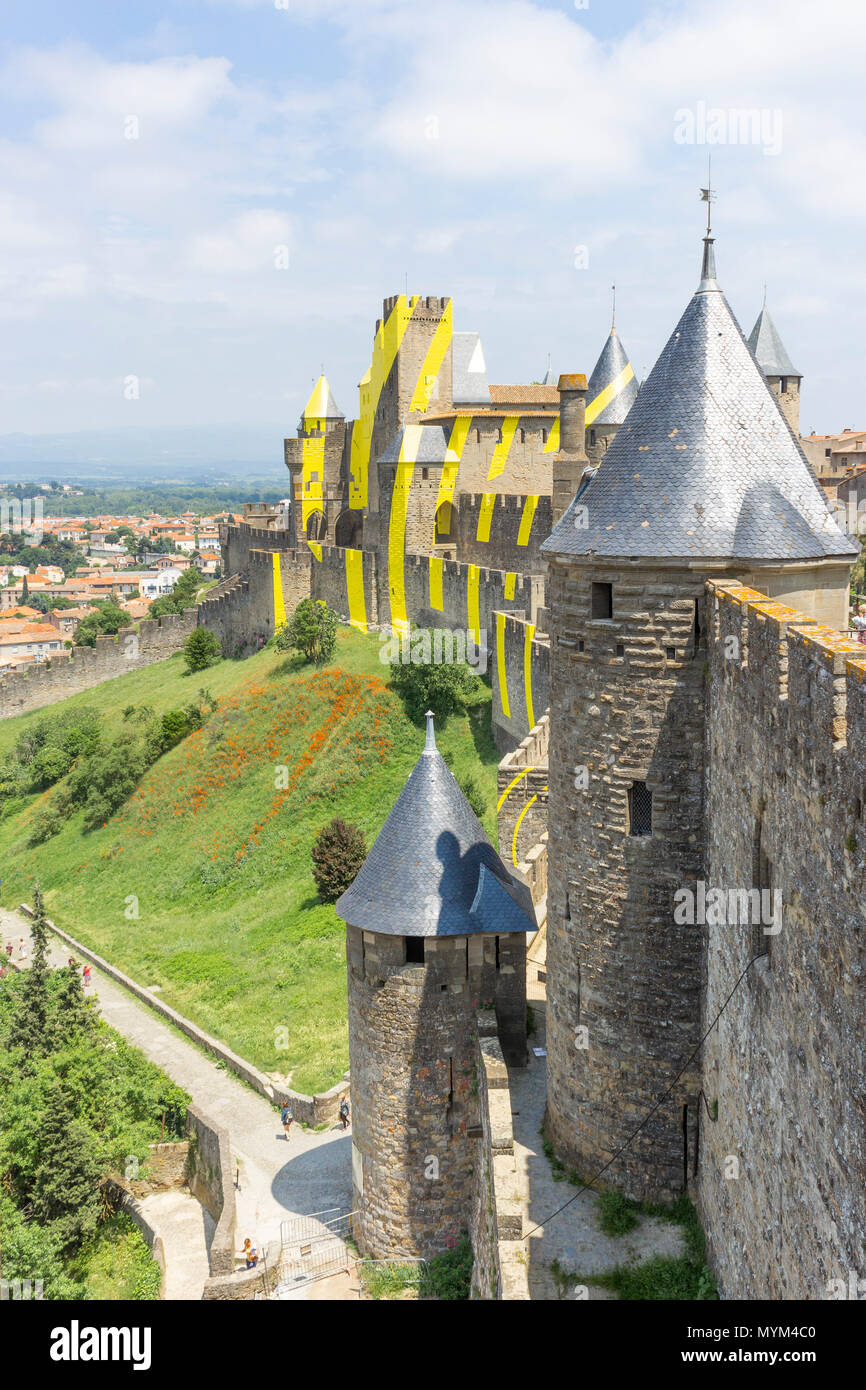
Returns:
(215,844)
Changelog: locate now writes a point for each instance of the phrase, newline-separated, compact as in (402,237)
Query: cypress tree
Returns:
(29,1028)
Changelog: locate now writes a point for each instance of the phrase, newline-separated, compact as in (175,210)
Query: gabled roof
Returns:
(432,870)
(769,350)
(705,466)
(613,387)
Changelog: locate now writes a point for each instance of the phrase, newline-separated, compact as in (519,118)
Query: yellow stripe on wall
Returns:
(553,438)
(435,575)
(510,581)
(488,502)
(500,665)
(439,344)
(472,613)
(279,601)
(355,589)
(527,672)
(594,409)
(500,453)
(397,526)
(385,348)
(526,520)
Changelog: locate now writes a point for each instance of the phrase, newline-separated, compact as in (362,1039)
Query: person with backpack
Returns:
(287,1116)
(344,1113)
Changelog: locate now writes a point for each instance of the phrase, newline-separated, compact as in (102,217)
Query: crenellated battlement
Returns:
(786,665)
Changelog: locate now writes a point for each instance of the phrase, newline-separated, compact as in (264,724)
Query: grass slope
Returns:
(214,846)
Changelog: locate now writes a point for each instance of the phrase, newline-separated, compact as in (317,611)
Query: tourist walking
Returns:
(287,1115)
(344,1113)
(85,974)
(22,949)
(250,1253)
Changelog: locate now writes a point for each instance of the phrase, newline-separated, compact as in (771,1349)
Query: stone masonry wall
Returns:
(505,519)
(412,1063)
(782,1169)
(521,678)
(500,1267)
(70,672)
(627,705)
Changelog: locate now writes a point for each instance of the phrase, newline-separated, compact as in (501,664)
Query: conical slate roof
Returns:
(612,388)
(769,350)
(705,466)
(321,405)
(432,870)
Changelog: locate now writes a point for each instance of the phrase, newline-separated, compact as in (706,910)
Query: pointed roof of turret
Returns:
(321,405)
(432,870)
(550,378)
(705,466)
(613,386)
(770,352)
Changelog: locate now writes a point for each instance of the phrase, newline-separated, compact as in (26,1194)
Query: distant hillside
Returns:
(136,451)
(215,844)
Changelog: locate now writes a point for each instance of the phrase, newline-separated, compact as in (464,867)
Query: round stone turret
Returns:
(435,928)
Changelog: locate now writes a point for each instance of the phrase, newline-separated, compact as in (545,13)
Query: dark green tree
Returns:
(73,1014)
(65,1191)
(312,631)
(445,689)
(30,1024)
(201,649)
(338,852)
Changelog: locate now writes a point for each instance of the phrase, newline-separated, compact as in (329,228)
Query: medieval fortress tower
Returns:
(662,593)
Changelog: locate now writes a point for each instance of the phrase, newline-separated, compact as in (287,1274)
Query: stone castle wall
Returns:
(81,668)
(627,705)
(502,523)
(784,1067)
(412,1064)
(500,1267)
(521,677)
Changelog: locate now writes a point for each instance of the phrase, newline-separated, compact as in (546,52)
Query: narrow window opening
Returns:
(783,386)
(544,436)
(602,600)
(762,878)
(620,649)
(640,809)
(497,952)
(523,436)
(581,645)
(424,474)
(696,631)
(477,436)
(671,653)
(414,950)
(499,435)
(592,436)
(567,913)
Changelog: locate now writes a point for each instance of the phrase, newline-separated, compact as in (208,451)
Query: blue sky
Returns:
(519,156)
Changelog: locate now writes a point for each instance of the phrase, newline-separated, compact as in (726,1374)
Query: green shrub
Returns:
(449,1276)
(312,631)
(616,1214)
(338,852)
(201,649)
(444,689)
(46,823)
(106,618)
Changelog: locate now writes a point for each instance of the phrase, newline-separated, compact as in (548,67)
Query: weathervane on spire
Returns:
(707,194)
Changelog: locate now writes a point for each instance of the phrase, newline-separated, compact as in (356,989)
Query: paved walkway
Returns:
(573,1239)
(276,1178)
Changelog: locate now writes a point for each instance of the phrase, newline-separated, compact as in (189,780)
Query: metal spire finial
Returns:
(613,308)
(430,741)
(708,268)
